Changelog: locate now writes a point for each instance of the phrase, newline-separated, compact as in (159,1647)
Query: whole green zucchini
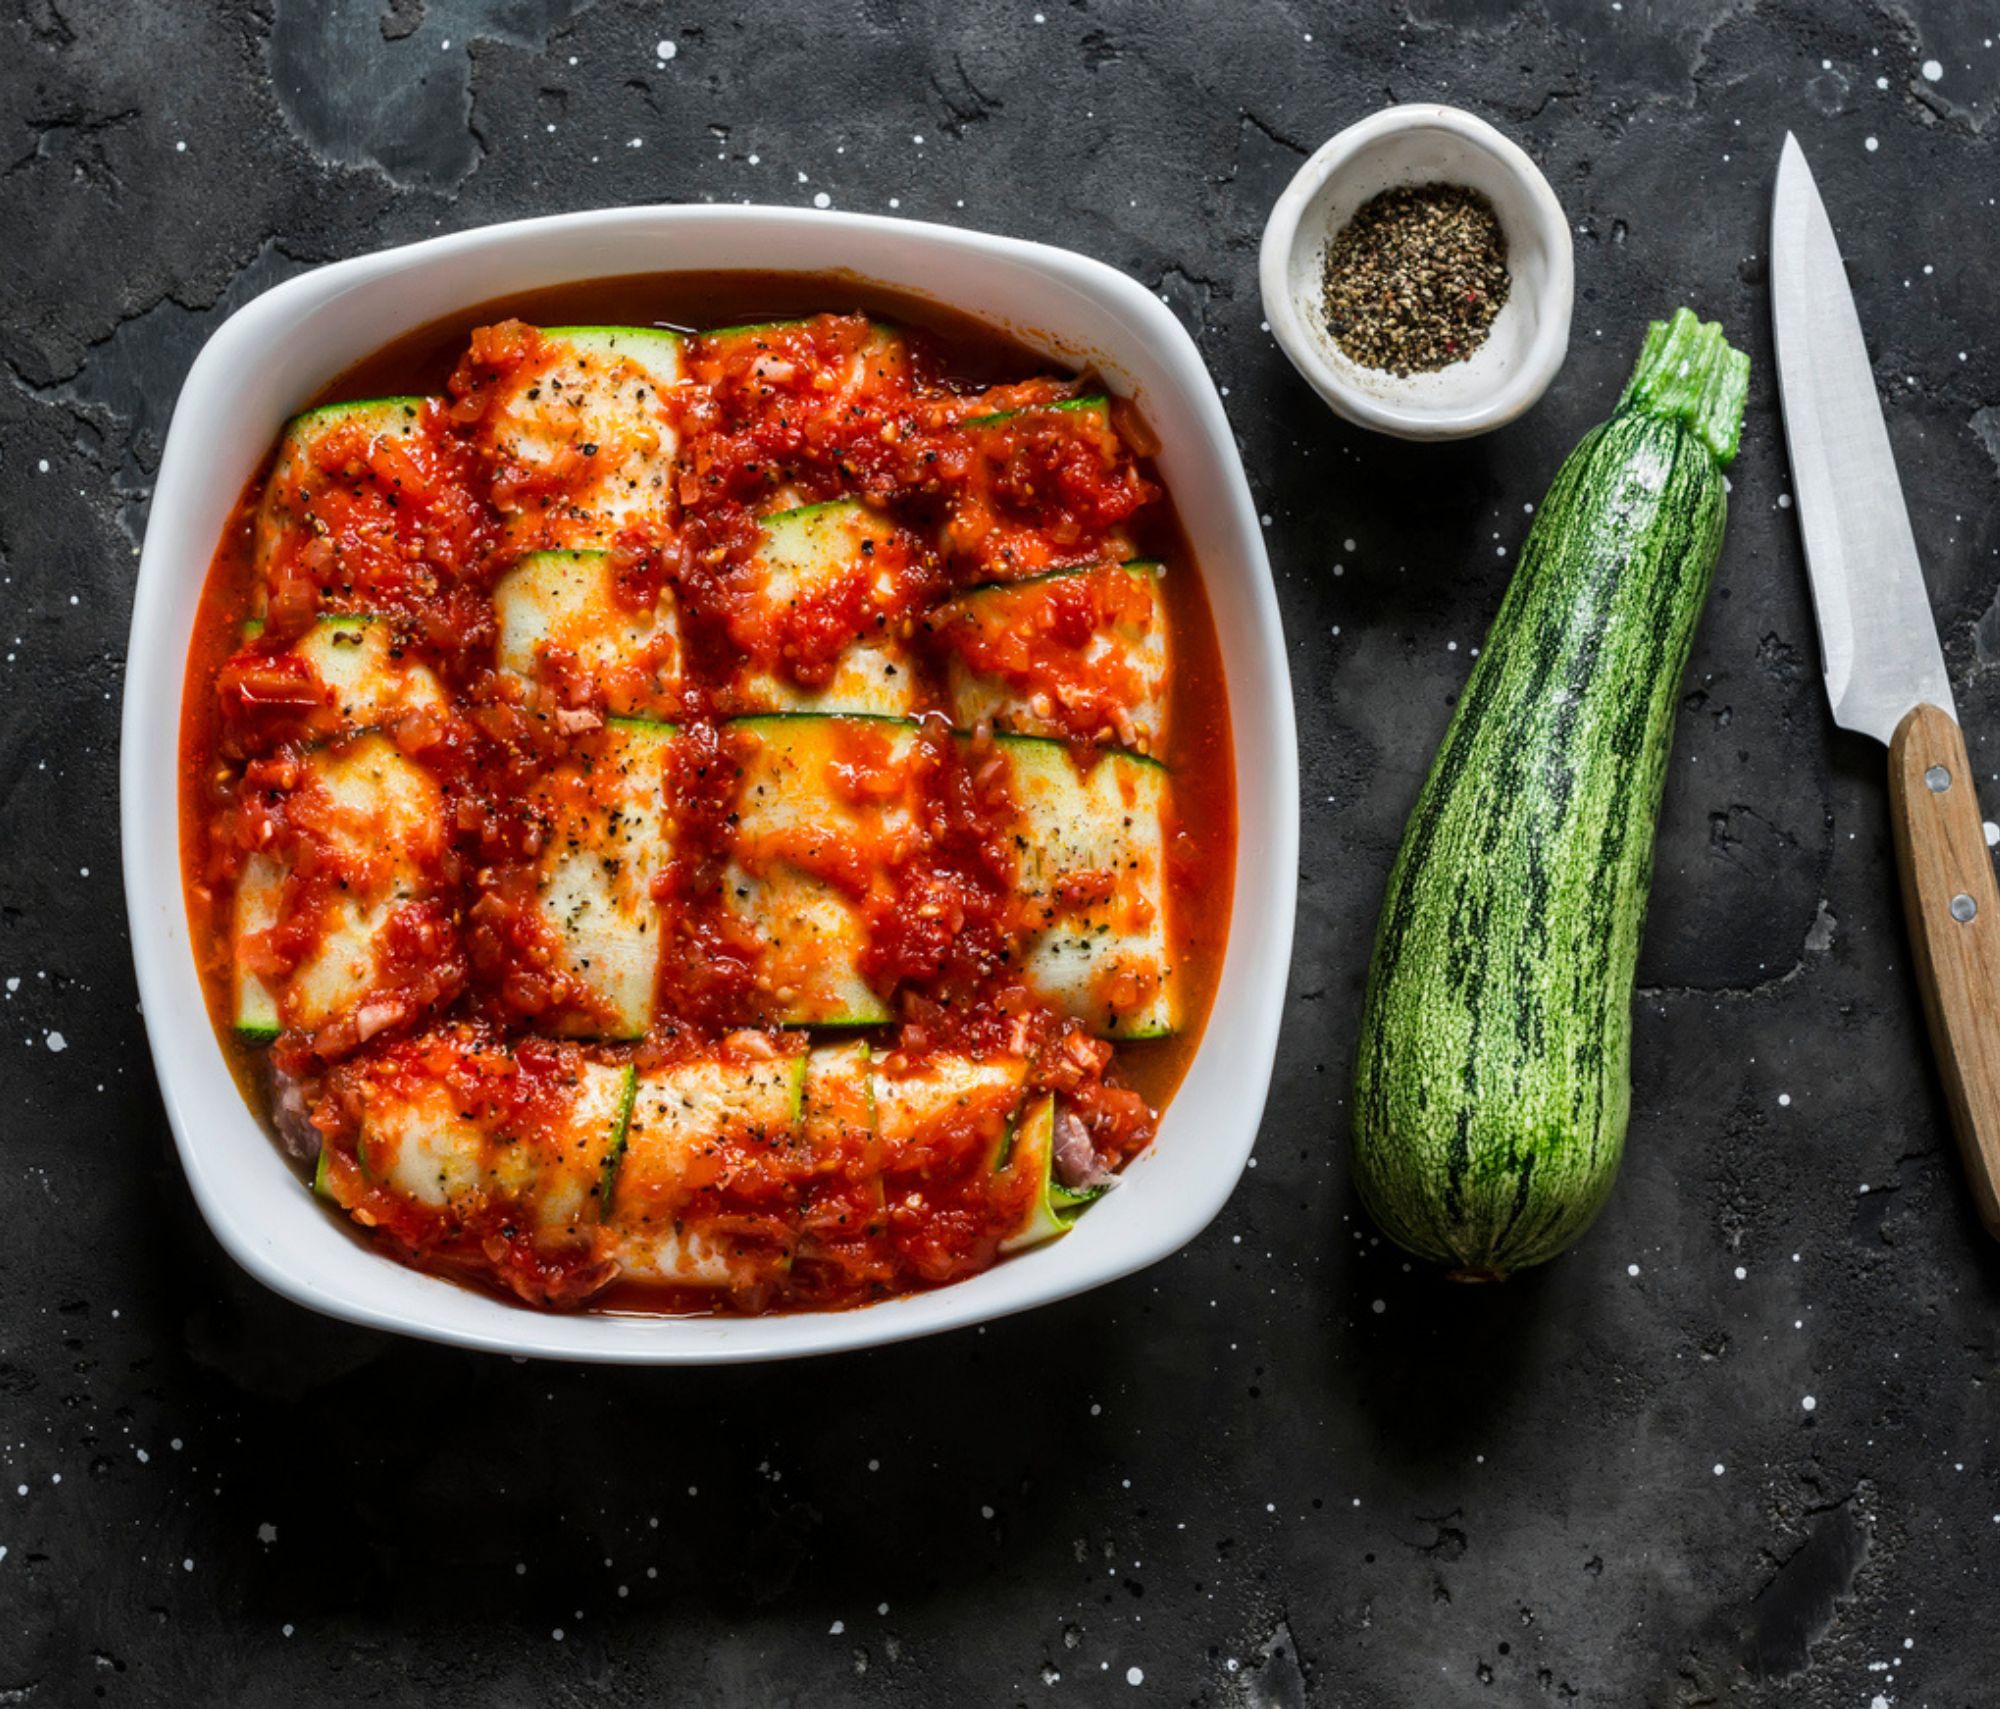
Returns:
(1493,1082)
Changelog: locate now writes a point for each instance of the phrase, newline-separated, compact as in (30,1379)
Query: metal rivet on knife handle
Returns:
(1938,778)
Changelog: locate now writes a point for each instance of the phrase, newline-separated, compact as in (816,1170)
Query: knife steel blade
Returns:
(1878,639)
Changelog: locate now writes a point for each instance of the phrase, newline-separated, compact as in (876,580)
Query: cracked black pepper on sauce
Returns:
(1415,278)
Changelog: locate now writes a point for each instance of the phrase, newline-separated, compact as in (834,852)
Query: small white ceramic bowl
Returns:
(1422,144)
(274,354)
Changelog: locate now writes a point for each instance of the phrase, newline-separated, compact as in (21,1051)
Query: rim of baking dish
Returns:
(196,487)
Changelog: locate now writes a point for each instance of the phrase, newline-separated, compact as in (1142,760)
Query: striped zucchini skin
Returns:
(1493,1081)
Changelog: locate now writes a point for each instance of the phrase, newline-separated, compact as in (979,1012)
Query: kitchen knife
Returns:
(1884,669)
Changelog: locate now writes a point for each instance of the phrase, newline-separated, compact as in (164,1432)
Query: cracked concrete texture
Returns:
(1282,1468)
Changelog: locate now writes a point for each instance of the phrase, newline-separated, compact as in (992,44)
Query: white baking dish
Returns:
(276,353)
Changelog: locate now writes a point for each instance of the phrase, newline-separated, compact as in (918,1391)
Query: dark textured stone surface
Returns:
(1281,1468)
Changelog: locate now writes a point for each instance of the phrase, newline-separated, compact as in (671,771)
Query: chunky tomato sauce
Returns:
(691,821)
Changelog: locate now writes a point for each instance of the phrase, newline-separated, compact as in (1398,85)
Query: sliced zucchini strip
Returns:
(285,514)
(589,426)
(1039,684)
(947,1106)
(1048,1208)
(420,1142)
(691,1123)
(813,548)
(837,1119)
(379,819)
(1091,885)
(811,939)
(565,1170)
(882,358)
(446,1146)
(1096,407)
(806,842)
(259,893)
(568,601)
(367,679)
(606,839)
(872,679)
(812,553)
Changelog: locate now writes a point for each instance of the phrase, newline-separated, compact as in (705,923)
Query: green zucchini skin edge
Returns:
(1492,1082)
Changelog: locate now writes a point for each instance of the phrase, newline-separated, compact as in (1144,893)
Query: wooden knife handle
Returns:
(1953,908)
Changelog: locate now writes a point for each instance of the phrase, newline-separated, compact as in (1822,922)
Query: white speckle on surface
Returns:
(1932,71)
(1784,501)
(665,50)
(1881,83)
(267,1532)
(1741,1272)
(1809,1404)
(57,1042)
(1718,1468)
(286,1628)
(43,465)
(1631,1269)
(1095,1409)
(557,1634)
(1871,145)
(822,200)
(1378,1307)
(187,1566)
(1784,1100)
(838,1627)
(881,1608)
(1992,833)
(986,1513)
(1135,1676)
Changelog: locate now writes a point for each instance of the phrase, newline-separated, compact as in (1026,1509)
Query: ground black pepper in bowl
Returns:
(1414,280)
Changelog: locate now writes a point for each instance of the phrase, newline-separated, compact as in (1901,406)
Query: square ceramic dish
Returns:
(274,354)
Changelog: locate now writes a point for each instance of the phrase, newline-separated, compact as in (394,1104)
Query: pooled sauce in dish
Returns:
(731,820)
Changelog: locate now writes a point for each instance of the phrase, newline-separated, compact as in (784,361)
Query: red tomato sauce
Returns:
(393,776)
